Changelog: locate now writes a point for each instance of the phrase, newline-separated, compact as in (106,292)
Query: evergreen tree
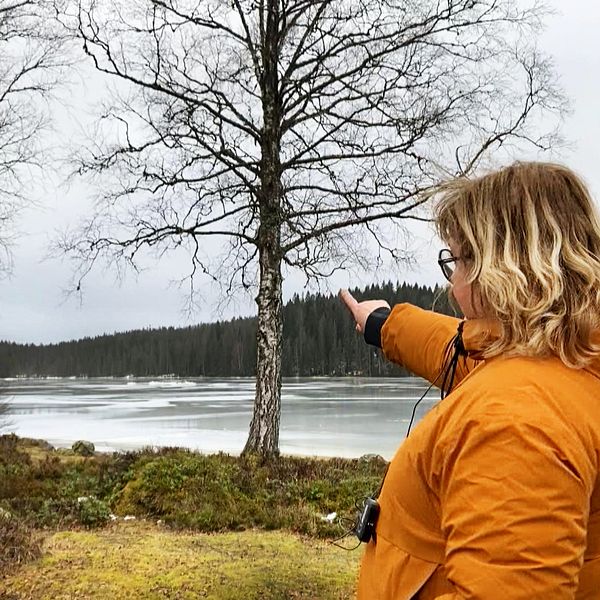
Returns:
(319,340)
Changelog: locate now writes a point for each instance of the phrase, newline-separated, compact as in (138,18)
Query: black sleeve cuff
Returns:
(374,324)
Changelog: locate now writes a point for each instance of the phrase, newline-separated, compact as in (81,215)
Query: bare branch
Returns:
(32,63)
(294,130)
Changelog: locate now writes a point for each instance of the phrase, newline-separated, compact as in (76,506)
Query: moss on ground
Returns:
(138,560)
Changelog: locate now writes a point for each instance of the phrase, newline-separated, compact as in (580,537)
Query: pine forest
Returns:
(318,340)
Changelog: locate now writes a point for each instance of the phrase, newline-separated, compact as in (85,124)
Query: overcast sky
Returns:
(34,308)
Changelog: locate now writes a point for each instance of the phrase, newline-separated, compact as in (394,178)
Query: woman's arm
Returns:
(418,340)
(409,336)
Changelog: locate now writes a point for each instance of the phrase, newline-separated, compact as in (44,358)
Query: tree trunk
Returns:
(264,428)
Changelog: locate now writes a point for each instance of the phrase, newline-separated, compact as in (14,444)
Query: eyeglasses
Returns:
(447,262)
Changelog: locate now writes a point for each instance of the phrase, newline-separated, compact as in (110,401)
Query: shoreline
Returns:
(51,446)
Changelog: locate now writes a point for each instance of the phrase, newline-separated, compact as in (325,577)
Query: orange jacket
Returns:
(496,492)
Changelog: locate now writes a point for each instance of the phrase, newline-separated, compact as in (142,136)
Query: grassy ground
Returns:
(137,560)
(232,527)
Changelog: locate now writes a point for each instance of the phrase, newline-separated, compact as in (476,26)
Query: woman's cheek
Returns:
(462,295)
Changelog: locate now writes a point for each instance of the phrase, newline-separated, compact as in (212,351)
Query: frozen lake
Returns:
(320,416)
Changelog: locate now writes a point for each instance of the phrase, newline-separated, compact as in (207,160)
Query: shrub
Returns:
(183,488)
(44,491)
(93,512)
(18,544)
(218,492)
(10,452)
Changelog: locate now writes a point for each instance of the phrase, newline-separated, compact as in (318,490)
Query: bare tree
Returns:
(293,128)
(31,62)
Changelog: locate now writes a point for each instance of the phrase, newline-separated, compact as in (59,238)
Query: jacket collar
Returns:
(478,334)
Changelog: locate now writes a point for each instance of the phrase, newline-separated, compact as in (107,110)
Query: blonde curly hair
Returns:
(530,236)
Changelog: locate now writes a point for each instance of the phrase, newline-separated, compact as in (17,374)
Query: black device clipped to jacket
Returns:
(366,520)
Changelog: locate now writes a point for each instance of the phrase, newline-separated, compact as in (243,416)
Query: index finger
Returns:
(348,299)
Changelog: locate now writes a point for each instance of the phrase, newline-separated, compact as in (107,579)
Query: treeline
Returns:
(319,339)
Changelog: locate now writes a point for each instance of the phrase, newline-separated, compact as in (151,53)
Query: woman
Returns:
(496,492)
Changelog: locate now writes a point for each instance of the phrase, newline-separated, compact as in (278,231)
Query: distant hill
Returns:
(319,339)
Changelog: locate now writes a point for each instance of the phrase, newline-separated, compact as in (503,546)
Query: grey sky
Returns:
(33,307)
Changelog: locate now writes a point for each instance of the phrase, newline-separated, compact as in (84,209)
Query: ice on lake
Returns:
(345,417)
